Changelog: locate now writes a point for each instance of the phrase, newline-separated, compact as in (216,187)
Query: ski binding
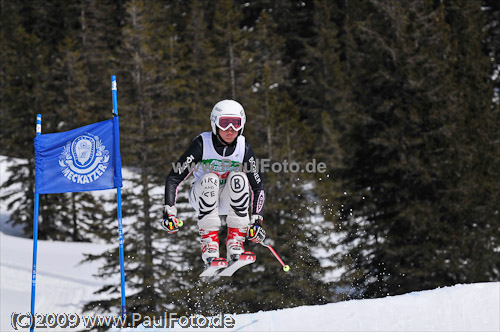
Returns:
(215,265)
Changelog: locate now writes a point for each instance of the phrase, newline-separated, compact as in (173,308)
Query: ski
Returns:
(215,265)
(245,258)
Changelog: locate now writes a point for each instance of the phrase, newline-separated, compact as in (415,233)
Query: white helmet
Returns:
(228,113)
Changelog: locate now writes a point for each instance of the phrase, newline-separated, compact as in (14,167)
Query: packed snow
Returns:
(64,285)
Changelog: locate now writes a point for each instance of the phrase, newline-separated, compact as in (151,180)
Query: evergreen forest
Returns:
(399,99)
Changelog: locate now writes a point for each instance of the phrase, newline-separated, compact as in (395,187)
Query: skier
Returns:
(220,191)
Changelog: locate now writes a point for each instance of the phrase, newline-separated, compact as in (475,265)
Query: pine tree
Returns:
(70,99)
(260,64)
(324,92)
(145,96)
(276,133)
(492,44)
(202,88)
(474,202)
(491,10)
(228,42)
(65,94)
(23,68)
(405,206)
(98,31)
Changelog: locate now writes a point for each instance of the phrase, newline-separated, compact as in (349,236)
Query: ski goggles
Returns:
(224,122)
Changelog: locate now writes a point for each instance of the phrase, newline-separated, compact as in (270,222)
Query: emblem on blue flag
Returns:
(84,160)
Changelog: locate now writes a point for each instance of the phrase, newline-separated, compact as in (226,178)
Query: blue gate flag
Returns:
(82,159)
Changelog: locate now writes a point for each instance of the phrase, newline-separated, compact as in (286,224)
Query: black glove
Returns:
(255,232)
(170,222)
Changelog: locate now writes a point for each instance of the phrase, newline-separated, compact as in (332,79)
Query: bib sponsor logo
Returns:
(237,183)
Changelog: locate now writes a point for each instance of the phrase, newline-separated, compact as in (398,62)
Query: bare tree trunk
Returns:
(75,235)
(143,120)
(84,27)
(231,69)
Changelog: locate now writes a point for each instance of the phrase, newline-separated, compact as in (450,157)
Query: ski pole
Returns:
(286,268)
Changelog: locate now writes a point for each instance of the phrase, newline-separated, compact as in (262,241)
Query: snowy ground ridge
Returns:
(63,285)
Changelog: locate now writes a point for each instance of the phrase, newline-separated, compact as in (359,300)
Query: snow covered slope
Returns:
(473,307)
(63,285)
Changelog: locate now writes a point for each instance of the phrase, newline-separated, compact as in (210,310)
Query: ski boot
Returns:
(210,253)
(234,243)
(209,245)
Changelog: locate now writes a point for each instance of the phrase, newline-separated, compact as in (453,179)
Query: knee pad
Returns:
(208,200)
(239,196)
